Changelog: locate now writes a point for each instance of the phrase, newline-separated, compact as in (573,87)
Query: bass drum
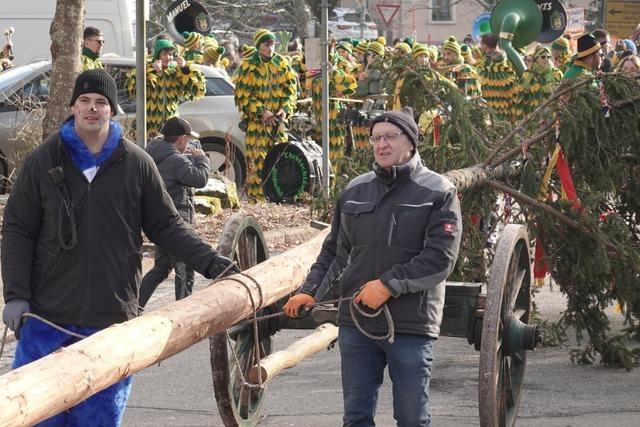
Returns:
(291,169)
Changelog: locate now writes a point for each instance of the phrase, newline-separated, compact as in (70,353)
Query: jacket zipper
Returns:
(88,241)
(391,227)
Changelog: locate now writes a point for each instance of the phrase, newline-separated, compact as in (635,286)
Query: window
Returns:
(217,87)
(442,10)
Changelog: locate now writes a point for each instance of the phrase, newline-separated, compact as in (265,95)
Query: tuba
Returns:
(520,22)
(187,15)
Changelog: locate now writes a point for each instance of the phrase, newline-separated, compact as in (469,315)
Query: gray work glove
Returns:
(217,266)
(12,314)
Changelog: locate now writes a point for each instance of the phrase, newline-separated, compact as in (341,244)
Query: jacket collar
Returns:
(89,53)
(399,173)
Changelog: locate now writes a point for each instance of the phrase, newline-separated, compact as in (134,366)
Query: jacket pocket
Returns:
(353,207)
(408,225)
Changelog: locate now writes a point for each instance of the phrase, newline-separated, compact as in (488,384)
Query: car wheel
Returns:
(232,169)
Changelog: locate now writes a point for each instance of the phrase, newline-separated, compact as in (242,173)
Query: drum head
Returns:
(287,173)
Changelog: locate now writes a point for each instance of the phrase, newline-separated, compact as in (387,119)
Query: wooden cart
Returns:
(493,317)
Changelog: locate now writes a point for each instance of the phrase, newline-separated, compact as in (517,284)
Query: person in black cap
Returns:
(181,174)
(403,266)
(588,59)
(72,238)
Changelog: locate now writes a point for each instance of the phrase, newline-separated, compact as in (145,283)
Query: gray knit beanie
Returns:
(403,120)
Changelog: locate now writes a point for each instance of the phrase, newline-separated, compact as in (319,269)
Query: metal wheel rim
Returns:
(241,240)
(501,376)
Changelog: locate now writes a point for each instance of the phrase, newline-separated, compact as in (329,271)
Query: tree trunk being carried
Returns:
(52,384)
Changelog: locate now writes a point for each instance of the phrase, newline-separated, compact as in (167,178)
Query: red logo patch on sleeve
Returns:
(449,227)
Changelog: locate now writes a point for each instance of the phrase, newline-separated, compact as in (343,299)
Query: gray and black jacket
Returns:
(180,174)
(402,227)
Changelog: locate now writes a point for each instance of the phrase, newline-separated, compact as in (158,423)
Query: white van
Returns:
(32,20)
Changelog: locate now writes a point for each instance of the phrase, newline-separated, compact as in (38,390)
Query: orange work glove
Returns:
(295,302)
(373,294)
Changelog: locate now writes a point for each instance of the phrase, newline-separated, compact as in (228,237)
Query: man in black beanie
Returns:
(72,238)
(394,239)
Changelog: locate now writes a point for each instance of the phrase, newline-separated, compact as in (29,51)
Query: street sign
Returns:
(387,11)
(621,17)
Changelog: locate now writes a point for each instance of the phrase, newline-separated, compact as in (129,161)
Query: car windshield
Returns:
(217,87)
(10,77)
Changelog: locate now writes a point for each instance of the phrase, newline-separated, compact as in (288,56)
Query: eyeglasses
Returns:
(99,41)
(544,57)
(389,137)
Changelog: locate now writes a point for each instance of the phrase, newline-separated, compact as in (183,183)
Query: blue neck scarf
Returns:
(80,154)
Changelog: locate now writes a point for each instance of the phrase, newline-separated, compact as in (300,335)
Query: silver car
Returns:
(24,91)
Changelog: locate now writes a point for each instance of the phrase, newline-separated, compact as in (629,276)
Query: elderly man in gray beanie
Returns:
(394,239)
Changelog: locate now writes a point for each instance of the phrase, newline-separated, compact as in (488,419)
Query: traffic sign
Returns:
(387,11)
(621,17)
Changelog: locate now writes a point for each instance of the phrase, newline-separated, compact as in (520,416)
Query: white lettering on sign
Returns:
(180,8)
(545,6)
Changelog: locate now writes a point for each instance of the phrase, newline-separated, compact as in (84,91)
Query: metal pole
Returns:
(142,14)
(362,18)
(324,69)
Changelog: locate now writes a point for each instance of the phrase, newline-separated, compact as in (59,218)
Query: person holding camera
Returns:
(182,167)
(170,80)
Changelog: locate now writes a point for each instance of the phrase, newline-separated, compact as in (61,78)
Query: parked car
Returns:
(215,117)
(345,22)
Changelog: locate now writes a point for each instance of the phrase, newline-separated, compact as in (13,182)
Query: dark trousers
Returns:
(163,262)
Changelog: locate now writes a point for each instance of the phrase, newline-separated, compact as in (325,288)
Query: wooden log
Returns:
(274,363)
(54,383)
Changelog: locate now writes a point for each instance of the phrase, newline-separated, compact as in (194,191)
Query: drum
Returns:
(291,169)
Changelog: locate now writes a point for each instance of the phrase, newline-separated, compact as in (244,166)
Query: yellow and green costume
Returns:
(499,83)
(90,60)
(165,90)
(192,44)
(263,85)
(563,47)
(464,75)
(341,84)
(536,84)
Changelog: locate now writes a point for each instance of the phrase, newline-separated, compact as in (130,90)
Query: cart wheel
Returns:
(505,333)
(241,240)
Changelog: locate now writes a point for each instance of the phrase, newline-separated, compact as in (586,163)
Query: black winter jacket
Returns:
(96,282)
(403,228)
(180,174)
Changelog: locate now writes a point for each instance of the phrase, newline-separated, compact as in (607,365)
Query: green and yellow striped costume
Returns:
(166,90)
(263,85)
(90,61)
(341,84)
(499,81)
(536,85)
(194,55)
(465,77)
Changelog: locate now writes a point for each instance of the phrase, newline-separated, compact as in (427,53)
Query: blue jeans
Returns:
(363,361)
(103,409)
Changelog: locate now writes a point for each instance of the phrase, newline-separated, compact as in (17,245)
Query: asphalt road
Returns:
(179,391)
(557,393)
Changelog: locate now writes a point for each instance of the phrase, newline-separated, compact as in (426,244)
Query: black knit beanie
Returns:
(96,81)
(403,120)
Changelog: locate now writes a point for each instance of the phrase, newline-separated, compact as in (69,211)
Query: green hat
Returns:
(160,45)
(212,54)
(403,47)
(561,44)
(263,35)
(465,51)
(191,39)
(209,41)
(541,50)
(409,40)
(451,45)
(419,49)
(344,46)
(375,47)
(361,47)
